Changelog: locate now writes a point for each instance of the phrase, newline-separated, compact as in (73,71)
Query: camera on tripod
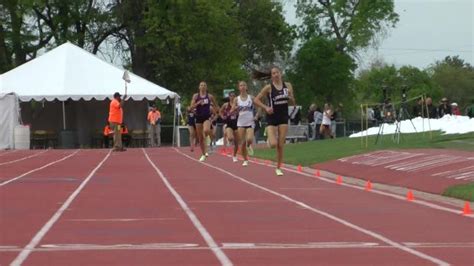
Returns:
(388,110)
(404,93)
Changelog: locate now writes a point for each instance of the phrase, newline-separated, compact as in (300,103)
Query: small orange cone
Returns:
(368,186)
(317,173)
(467,209)
(300,169)
(339,179)
(410,196)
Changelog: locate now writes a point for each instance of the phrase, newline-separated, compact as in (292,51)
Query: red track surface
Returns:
(430,170)
(124,214)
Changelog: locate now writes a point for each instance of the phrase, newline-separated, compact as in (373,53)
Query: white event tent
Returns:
(69,89)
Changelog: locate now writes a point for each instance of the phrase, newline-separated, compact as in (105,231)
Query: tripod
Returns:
(403,114)
(389,117)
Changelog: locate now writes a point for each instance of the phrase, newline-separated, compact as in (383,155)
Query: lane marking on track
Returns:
(122,220)
(25,252)
(395,196)
(221,256)
(233,201)
(231,246)
(440,245)
(327,215)
(117,246)
(24,158)
(380,192)
(37,169)
(310,245)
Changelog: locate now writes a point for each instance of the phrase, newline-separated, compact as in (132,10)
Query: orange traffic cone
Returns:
(368,186)
(410,196)
(300,169)
(467,209)
(317,173)
(339,179)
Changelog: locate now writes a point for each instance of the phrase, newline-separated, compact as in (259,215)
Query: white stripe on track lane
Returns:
(221,256)
(395,196)
(24,158)
(37,169)
(25,252)
(327,215)
(384,193)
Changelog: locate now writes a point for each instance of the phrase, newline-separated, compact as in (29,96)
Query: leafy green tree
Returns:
(27,26)
(416,82)
(354,24)
(321,73)
(265,33)
(456,79)
(179,43)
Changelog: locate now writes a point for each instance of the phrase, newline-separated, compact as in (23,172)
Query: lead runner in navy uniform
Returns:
(278,94)
(202,101)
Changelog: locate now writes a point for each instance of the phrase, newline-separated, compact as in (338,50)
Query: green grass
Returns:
(308,153)
(464,192)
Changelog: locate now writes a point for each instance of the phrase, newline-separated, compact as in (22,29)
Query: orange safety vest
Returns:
(115,112)
(107,130)
(153,116)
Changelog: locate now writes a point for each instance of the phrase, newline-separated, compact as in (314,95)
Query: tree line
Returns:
(177,43)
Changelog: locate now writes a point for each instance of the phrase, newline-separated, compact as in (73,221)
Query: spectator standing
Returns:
(116,119)
(154,121)
(444,108)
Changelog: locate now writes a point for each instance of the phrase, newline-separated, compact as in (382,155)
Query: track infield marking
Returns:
(221,256)
(25,252)
(37,169)
(325,214)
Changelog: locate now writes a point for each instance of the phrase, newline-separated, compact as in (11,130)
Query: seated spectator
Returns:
(432,112)
(444,108)
(108,134)
(125,135)
(318,119)
(455,109)
(418,109)
(295,116)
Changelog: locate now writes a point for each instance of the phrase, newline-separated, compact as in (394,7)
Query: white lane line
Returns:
(395,196)
(327,215)
(42,232)
(399,197)
(232,201)
(221,256)
(114,220)
(440,245)
(24,158)
(310,245)
(177,246)
(37,169)
(232,246)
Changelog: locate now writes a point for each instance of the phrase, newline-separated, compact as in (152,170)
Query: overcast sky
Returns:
(428,30)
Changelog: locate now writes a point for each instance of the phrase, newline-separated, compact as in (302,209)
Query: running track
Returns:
(162,207)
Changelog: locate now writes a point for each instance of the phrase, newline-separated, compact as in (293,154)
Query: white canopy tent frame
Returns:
(71,73)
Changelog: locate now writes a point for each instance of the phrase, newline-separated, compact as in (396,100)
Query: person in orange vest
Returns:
(108,132)
(116,119)
(125,135)
(154,120)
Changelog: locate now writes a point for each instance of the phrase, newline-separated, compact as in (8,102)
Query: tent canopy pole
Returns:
(64,116)
(174,122)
